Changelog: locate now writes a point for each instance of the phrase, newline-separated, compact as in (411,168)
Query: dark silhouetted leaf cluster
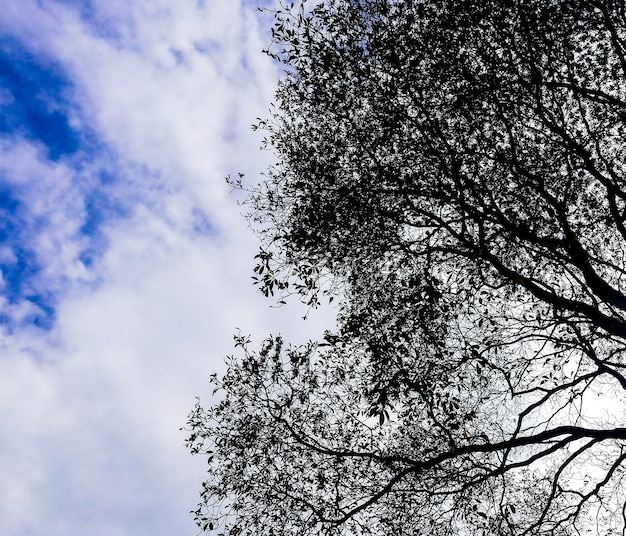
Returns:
(454,173)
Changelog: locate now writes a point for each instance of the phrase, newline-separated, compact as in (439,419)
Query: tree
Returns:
(452,172)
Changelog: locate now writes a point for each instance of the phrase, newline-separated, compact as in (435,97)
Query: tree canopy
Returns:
(453,174)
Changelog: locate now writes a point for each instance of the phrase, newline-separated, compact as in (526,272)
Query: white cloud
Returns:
(50,211)
(191,120)
(90,411)
(95,430)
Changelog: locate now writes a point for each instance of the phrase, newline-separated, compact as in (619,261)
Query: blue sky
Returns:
(125,263)
(42,115)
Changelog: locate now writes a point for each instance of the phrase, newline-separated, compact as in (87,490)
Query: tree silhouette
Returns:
(453,172)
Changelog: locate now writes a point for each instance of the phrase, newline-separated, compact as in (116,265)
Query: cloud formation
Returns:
(125,262)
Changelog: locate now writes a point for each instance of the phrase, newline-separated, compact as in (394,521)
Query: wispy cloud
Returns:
(125,262)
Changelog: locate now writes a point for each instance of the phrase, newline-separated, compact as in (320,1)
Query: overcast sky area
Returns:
(125,263)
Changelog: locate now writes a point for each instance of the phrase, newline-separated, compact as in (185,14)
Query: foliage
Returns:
(453,171)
